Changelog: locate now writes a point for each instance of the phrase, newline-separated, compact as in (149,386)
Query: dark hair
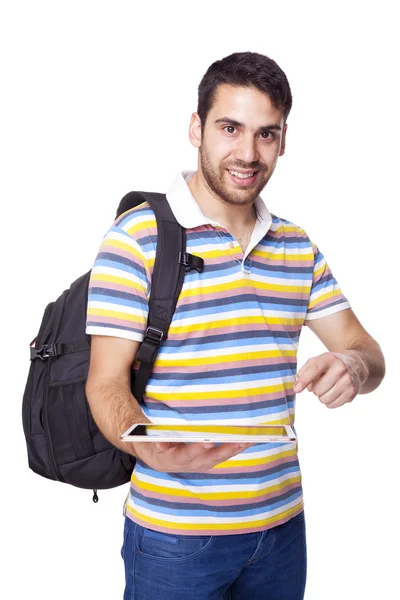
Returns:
(245,69)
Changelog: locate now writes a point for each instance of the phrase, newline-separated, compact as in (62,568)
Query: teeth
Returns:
(242,175)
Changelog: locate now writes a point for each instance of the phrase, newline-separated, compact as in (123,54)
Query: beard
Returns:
(216,180)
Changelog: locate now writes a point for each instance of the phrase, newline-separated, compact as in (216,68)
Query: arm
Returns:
(114,409)
(108,388)
(354,364)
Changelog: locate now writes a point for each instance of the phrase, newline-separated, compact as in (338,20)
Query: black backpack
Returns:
(63,441)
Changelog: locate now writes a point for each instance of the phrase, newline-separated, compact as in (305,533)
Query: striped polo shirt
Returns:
(230,357)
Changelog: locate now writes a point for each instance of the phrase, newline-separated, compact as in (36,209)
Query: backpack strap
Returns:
(171,263)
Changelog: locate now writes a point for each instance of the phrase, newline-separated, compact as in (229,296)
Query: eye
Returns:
(267,135)
(230,129)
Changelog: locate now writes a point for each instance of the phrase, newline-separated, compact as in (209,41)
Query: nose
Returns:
(246,149)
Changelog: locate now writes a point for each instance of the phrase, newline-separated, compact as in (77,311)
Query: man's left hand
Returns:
(335,378)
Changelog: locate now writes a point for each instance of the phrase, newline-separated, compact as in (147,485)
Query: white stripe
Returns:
(119,273)
(109,306)
(113,332)
(115,273)
(237,277)
(327,311)
(137,218)
(239,421)
(124,239)
(176,355)
(187,388)
(236,314)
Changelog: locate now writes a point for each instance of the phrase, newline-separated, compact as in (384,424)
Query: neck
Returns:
(214,208)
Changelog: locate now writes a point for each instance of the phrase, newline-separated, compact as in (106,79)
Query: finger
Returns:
(326,382)
(220,454)
(183,455)
(340,401)
(343,385)
(312,370)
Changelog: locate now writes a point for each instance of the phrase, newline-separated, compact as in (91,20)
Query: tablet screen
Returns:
(209,430)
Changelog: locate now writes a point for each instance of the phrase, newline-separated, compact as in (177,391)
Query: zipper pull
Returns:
(95,496)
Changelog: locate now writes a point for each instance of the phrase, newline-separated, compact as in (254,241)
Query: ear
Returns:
(283,142)
(195,130)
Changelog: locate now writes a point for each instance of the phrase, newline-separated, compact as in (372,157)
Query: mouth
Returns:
(243,178)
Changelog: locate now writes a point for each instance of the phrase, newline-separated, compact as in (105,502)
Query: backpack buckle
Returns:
(44,352)
(155,335)
(191,261)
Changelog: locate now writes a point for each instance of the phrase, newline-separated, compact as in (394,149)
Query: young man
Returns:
(204,522)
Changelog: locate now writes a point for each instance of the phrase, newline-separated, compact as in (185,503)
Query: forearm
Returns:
(114,410)
(366,358)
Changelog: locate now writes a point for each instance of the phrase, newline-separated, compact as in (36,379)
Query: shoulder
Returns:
(288,231)
(137,222)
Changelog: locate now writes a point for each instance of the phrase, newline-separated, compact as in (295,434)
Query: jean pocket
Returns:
(124,538)
(165,547)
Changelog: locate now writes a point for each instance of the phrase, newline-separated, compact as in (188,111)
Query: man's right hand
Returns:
(192,457)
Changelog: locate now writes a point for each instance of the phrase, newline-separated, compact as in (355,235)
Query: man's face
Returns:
(242,138)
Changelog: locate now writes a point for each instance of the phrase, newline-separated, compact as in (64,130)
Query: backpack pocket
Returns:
(69,421)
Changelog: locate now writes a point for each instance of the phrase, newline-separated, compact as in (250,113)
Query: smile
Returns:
(243,179)
(242,175)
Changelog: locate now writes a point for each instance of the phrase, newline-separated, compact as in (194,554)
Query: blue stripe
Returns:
(122,264)
(132,300)
(231,340)
(193,479)
(223,305)
(212,378)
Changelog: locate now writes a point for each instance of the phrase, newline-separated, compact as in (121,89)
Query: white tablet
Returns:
(144,432)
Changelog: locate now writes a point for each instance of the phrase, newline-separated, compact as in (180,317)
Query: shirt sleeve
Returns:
(326,296)
(119,288)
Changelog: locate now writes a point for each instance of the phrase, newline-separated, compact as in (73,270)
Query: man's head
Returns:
(240,125)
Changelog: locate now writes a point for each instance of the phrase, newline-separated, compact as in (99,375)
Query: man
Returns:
(207,522)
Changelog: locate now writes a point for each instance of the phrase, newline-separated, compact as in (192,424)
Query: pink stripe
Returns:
(222,402)
(120,322)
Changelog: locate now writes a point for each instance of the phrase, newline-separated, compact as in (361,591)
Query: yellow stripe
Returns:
(284,256)
(115,279)
(182,493)
(244,356)
(213,526)
(320,299)
(142,225)
(280,387)
(319,271)
(234,285)
(234,322)
(113,243)
(100,312)
(264,460)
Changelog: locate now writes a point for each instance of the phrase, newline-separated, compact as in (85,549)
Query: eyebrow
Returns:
(238,124)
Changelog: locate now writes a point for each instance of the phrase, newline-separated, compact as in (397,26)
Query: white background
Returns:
(96,99)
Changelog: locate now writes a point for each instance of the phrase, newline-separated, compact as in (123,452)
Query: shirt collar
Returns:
(188,213)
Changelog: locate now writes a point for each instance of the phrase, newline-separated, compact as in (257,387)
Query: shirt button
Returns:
(231,244)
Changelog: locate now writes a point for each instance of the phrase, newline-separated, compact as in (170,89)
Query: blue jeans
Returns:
(269,565)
